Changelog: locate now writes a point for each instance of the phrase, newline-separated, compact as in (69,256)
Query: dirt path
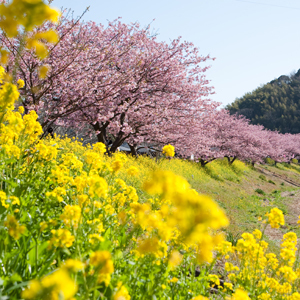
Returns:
(293,207)
(293,203)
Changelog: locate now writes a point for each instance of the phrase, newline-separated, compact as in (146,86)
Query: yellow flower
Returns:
(121,293)
(33,290)
(57,285)
(214,279)
(116,165)
(99,147)
(148,245)
(14,228)
(288,273)
(295,296)
(26,13)
(83,200)
(94,237)
(3,198)
(21,109)
(102,261)
(61,238)
(264,296)
(57,193)
(120,184)
(173,280)
(229,267)
(74,265)
(165,182)
(20,83)
(9,94)
(14,200)
(275,217)
(175,259)
(239,295)
(257,234)
(43,225)
(199,298)
(50,36)
(168,150)
(43,70)
(98,186)
(132,171)
(71,215)
(4,56)
(228,285)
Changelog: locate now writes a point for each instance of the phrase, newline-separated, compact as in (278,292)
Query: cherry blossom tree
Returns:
(118,80)
(231,136)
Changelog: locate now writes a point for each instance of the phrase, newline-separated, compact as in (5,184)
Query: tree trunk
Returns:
(205,162)
(101,135)
(133,150)
(232,161)
(202,162)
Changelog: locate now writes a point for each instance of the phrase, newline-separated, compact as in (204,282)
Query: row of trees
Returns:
(232,136)
(121,84)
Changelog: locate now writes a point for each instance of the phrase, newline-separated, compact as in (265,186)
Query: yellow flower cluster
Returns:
(121,293)
(14,228)
(61,238)
(261,271)
(185,215)
(26,13)
(101,260)
(71,215)
(168,150)
(9,93)
(275,217)
(55,286)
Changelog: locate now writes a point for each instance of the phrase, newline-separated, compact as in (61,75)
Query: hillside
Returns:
(275,105)
(244,193)
(247,193)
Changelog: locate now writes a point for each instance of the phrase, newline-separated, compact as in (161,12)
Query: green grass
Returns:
(234,187)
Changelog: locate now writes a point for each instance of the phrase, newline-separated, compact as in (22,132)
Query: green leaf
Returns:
(15,277)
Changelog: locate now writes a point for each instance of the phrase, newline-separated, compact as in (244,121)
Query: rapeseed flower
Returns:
(275,217)
(239,294)
(168,150)
(175,259)
(61,238)
(55,286)
(15,230)
(121,293)
(71,215)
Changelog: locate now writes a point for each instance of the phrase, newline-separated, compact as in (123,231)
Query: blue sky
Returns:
(253,41)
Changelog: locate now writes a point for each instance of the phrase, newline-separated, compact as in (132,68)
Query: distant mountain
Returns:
(275,105)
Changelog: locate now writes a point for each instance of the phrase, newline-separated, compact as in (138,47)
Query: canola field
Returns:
(78,224)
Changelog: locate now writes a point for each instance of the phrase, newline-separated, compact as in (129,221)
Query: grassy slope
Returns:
(233,187)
